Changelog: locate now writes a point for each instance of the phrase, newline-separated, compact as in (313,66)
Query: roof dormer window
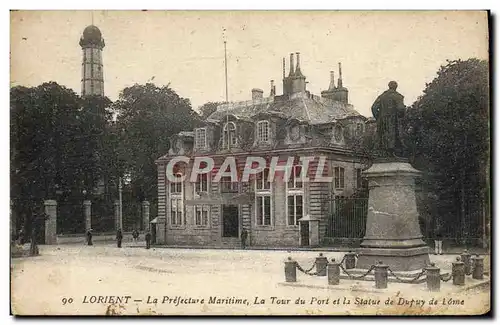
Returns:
(200,139)
(263,131)
(229,135)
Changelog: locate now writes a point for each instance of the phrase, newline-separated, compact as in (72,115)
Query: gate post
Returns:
(87,212)
(145,215)
(50,207)
(118,221)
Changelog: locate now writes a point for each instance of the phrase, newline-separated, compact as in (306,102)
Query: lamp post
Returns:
(120,209)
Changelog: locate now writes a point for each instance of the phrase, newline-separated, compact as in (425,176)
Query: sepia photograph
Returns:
(250,163)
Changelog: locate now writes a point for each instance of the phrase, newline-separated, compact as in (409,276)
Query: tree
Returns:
(148,116)
(56,145)
(208,108)
(449,127)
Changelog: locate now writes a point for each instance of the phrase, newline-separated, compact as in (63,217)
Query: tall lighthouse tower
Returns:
(92,44)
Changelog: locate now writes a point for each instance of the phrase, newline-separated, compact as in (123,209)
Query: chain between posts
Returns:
(359,276)
(444,279)
(413,280)
(308,271)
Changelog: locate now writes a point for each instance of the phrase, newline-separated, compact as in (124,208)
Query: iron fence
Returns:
(347,219)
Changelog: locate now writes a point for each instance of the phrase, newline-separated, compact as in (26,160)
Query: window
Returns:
(201,214)
(337,133)
(263,199)
(295,182)
(263,131)
(262,180)
(176,201)
(359,129)
(294,196)
(176,186)
(176,211)
(200,138)
(227,186)
(263,210)
(339,177)
(229,135)
(295,209)
(201,184)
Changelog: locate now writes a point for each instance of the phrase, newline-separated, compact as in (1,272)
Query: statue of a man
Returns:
(388,109)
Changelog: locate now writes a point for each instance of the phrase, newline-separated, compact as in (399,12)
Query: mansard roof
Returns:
(309,108)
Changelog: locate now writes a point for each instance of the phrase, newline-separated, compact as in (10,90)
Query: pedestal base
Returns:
(398,259)
(392,229)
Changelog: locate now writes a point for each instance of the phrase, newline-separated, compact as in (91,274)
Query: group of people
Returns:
(119,237)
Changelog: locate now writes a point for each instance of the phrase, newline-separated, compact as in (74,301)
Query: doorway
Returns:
(304,234)
(230,221)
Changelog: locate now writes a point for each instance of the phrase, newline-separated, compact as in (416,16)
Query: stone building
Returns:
(274,214)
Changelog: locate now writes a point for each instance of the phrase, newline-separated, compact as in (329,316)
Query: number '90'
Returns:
(67,301)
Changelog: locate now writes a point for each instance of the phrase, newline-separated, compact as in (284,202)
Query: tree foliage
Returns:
(148,116)
(56,144)
(449,129)
(208,108)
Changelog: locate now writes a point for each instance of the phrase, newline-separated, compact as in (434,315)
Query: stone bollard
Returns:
(466,258)
(321,263)
(478,271)
(290,270)
(350,260)
(458,272)
(333,272)
(432,273)
(381,275)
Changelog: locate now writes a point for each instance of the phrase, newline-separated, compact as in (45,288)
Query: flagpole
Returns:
(227,93)
(225,68)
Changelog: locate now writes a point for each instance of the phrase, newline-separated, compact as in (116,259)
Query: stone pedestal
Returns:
(87,213)
(145,215)
(50,207)
(392,229)
(118,219)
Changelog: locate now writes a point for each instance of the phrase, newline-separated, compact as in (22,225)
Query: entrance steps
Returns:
(230,242)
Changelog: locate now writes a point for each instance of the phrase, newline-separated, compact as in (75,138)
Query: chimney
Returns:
(257,94)
(340,75)
(283,68)
(297,69)
(273,89)
(332,81)
(291,65)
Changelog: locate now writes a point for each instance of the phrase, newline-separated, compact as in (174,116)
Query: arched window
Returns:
(338,133)
(263,131)
(359,129)
(229,135)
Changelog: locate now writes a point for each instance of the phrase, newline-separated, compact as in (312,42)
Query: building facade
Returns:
(279,212)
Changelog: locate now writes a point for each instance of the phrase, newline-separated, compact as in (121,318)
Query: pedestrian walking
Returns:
(438,239)
(148,239)
(119,238)
(244,236)
(135,235)
(89,237)
(21,237)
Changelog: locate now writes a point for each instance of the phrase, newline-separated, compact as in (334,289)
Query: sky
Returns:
(185,49)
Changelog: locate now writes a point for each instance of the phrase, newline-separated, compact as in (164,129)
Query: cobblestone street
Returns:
(229,281)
